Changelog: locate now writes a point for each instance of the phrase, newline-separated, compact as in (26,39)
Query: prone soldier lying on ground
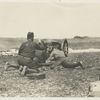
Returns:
(57,57)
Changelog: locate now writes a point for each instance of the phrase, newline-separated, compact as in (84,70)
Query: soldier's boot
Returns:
(81,65)
(20,68)
(6,66)
(23,72)
(73,65)
(78,64)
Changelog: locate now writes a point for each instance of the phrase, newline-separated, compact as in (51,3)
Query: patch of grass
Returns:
(65,83)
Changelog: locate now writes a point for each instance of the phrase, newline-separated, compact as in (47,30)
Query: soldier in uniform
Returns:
(26,54)
(57,57)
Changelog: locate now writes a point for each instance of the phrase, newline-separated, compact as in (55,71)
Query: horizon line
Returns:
(53,38)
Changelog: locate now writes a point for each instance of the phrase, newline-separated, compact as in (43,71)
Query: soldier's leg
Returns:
(23,63)
(66,64)
(20,61)
(9,65)
(56,63)
(23,72)
(29,71)
(20,68)
(32,66)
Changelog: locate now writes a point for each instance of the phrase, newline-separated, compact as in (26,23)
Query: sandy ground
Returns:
(60,83)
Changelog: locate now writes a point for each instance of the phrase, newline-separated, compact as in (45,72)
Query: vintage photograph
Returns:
(49,48)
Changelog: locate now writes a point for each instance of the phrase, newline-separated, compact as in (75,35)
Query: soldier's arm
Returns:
(51,57)
(40,46)
(20,49)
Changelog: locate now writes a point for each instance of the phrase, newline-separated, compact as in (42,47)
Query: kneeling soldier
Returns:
(26,54)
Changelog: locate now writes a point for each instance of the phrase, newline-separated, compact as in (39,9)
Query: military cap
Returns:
(30,35)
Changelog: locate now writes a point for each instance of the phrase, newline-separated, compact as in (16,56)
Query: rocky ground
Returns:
(58,83)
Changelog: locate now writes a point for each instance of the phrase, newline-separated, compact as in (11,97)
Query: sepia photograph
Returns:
(49,48)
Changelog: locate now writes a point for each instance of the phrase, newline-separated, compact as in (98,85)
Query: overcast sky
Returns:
(49,19)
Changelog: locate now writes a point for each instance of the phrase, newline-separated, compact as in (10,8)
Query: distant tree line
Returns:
(80,37)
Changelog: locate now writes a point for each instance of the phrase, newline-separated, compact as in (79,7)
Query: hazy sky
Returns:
(49,19)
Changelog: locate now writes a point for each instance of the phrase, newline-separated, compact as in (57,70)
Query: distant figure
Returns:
(57,57)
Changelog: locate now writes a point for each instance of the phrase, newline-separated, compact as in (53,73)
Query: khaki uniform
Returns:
(27,54)
(60,59)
